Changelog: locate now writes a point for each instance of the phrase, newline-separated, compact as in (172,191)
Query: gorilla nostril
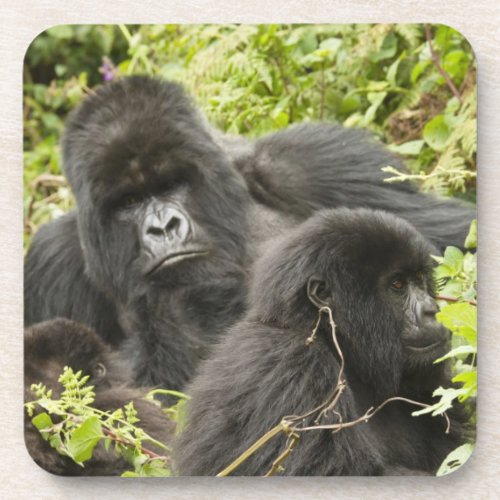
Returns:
(155,231)
(173,224)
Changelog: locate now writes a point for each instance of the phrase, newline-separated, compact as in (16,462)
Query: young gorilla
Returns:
(374,271)
(170,215)
(50,346)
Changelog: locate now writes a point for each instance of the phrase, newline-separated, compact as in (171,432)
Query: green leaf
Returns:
(471,240)
(468,379)
(42,421)
(308,43)
(410,148)
(436,133)
(84,439)
(453,258)
(458,351)
(393,71)
(461,319)
(455,459)
(349,104)
(445,403)
(376,98)
(388,48)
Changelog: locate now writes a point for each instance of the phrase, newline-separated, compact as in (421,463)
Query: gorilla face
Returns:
(158,202)
(423,339)
(374,271)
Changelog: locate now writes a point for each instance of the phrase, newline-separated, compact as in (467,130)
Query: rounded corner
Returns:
(461,466)
(28,450)
(446,25)
(38,34)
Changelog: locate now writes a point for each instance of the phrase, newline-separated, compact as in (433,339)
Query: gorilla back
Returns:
(373,271)
(170,214)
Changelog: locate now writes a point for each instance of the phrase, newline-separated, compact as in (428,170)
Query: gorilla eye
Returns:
(419,275)
(130,200)
(398,284)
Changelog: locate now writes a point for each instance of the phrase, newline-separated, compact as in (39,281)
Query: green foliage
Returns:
(456,276)
(255,79)
(73,427)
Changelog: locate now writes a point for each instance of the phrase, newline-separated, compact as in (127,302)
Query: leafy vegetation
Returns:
(73,427)
(412,85)
(457,276)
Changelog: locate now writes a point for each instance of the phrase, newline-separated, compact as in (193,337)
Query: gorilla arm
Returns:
(55,282)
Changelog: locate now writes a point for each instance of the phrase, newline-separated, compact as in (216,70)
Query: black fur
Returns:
(144,132)
(263,369)
(51,345)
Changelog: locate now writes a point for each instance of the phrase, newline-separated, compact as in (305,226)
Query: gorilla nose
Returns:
(167,223)
(426,309)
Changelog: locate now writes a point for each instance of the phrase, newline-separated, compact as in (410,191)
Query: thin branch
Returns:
(435,60)
(292,440)
(250,451)
(368,415)
(151,454)
(455,299)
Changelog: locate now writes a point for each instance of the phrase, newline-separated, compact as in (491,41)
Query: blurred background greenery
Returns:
(413,85)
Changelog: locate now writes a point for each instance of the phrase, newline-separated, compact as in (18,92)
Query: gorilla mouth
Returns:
(175,258)
(428,347)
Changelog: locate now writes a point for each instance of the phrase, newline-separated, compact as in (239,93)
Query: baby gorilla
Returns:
(50,346)
(373,270)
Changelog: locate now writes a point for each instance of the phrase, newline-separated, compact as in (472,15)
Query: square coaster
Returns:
(250,250)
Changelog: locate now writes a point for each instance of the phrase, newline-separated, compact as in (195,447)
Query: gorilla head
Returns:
(52,345)
(373,270)
(158,203)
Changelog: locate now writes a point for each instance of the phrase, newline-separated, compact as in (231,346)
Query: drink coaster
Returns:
(250,250)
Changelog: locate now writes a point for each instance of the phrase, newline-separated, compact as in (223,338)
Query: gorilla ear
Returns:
(318,292)
(98,372)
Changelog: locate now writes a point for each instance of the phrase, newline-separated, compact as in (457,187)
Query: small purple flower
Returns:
(108,69)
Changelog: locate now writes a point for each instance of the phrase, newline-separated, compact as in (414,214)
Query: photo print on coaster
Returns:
(250,250)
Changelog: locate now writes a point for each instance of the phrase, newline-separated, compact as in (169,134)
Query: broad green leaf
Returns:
(461,319)
(455,459)
(349,104)
(42,421)
(308,43)
(436,133)
(84,439)
(453,258)
(388,48)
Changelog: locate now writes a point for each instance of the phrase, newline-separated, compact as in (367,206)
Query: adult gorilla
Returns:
(54,344)
(373,271)
(171,214)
